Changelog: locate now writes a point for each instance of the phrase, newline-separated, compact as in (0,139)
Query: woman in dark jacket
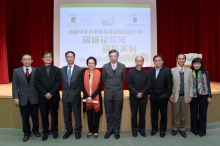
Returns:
(92,96)
(201,97)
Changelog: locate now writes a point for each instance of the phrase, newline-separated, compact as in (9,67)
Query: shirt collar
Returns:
(157,69)
(29,69)
(180,68)
(72,66)
(114,64)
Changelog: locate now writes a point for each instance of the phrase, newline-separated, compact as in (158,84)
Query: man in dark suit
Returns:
(47,83)
(72,82)
(25,95)
(138,81)
(113,75)
(161,89)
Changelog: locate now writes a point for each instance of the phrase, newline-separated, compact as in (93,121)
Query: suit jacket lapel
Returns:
(51,71)
(22,74)
(160,72)
(32,75)
(185,74)
(154,74)
(43,68)
(177,74)
(73,72)
(117,69)
(111,70)
(65,77)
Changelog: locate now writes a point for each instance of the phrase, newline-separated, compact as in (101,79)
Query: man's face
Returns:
(158,62)
(70,58)
(139,62)
(181,60)
(26,60)
(113,57)
(47,59)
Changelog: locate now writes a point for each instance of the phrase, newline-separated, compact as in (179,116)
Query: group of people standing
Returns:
(33,88)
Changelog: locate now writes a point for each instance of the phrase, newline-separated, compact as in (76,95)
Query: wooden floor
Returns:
(6,89)
(13,119)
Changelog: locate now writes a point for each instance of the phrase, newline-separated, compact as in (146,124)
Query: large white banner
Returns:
(94,30)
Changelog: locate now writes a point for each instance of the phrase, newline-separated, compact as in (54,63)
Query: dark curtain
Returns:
(30,30)
(189,26)
(183,26)
(3,49)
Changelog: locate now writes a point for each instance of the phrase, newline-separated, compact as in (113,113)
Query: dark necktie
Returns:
(69,75)
(27,73)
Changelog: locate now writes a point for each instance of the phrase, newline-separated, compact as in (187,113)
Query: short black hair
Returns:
(179,55)
(47,52)
(157,56)
(69,52)
(91,57)
(26,54)
(198,60)
(113,51)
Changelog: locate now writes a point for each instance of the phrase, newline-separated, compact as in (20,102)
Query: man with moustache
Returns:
(25,95)
(138,82)
(72,82)
(113,75)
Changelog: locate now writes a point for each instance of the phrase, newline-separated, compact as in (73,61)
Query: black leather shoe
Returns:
(194,132)
(67,134)
(134,134)
(107,135)
(117,135)
(201,135)
(162,134)
(45,136)
(153,132)
(143,133)
(55,135)
(78,135)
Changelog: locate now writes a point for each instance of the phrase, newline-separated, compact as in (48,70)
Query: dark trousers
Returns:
(113,110)
(157,105)
(142,112)
(198,109)
(93,120)
(26,111)
(67,109)
(45,108)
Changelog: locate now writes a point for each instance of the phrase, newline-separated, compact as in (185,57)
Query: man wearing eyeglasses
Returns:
(161,89)
(47,83)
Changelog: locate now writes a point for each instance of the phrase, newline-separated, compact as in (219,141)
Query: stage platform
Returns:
(11,118)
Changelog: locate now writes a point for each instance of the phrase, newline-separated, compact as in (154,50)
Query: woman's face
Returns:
(91,64)
(197,65)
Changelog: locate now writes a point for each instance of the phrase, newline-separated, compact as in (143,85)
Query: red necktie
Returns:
(27,73)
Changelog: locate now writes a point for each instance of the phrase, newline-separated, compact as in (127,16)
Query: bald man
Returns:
(138,81)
